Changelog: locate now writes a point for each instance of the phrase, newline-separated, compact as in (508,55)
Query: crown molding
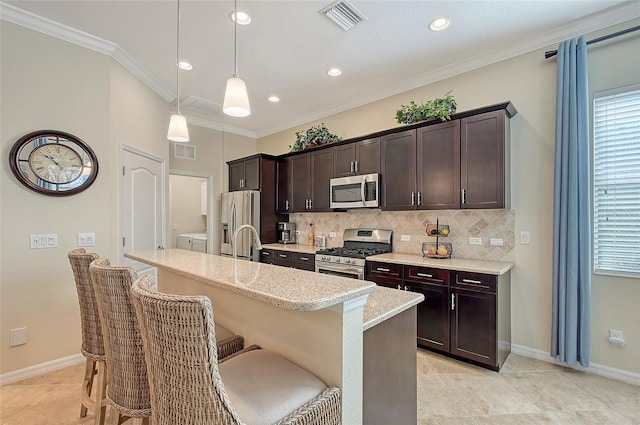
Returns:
(589,24)
(55,29)
(220,127)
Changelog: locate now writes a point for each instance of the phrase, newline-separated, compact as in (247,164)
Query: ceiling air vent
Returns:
(197,104)
(343,14)
(184,151)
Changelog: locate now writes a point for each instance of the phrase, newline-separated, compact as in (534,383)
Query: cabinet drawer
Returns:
(305,261)
(266,256)
(283,258)
(475,281)
(426,275)
(389,282)
(384,269)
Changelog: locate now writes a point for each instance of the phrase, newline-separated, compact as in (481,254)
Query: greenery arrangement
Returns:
(316,135)
(441,107)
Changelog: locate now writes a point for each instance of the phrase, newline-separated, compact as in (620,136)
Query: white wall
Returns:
(529,81)
(51,84)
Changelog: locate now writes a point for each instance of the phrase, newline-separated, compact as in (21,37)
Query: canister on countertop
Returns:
(321,242)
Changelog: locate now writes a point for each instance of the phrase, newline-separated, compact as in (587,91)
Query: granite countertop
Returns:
(284,287)
(293,247)
(460,264)
(384,303)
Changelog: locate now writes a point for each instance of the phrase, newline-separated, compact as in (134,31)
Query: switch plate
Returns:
(17,336)
(475,241)
(405,238)
(47,240)
(332,234)
(86,239)
(525,237)
(496,242)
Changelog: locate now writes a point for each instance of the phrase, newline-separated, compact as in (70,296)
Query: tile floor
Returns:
(525,392)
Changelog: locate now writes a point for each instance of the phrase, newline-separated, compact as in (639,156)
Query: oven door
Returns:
(340,270)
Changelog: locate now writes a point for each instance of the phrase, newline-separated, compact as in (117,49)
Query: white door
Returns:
(142,206)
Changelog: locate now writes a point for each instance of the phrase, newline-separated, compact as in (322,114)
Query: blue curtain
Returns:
(571,333)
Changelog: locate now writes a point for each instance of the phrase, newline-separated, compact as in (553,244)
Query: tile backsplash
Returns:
(484,224)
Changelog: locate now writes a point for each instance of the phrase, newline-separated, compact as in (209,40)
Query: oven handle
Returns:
(324,266)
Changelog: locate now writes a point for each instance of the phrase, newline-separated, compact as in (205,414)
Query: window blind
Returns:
(616,183)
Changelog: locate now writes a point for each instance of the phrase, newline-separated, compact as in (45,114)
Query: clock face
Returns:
(53,163)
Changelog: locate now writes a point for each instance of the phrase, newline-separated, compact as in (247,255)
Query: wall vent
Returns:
(343,14)
(184,151)
(197,104)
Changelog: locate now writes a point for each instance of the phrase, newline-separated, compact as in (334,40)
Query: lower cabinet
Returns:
(467,315)
(288,259)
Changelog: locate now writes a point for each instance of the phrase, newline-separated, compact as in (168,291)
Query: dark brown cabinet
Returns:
(484,160)
(282,258)
(244,175)
(398,168)
(283,197)
(308,182)
(357,158)
(466,315)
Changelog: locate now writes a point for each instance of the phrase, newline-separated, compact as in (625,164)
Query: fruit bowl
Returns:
(438,230)
(437,250)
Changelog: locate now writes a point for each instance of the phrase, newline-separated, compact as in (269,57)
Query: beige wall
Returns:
(51,84)
(185,205)
(529,82)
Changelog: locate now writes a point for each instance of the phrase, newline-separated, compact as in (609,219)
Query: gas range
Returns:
(349,260)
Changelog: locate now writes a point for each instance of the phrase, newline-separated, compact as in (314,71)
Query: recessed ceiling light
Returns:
(184,65)
(439,24)
(273,99)
(334,72)
(243,18)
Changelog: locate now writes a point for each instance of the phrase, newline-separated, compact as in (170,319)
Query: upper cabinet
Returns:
(303,182)
(357,158)
(399,171)
(244,174)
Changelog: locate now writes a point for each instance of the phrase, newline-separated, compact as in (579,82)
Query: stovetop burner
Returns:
(352,252)
(360,243)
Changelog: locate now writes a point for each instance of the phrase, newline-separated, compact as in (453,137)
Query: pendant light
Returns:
(178,131)
(236,99)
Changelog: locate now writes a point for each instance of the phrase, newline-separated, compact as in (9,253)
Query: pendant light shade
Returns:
(178,131)
(236,99)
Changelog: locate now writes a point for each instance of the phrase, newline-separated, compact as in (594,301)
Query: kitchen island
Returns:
(322,323)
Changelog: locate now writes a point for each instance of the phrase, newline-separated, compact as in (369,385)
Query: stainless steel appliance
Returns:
(355,191)
(238,208)
(349,260)
(286,232)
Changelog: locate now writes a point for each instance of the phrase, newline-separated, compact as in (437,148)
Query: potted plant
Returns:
(316,135)
(441,107)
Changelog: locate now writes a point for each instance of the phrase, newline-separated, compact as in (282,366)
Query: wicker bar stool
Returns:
(189,385)
(92,346)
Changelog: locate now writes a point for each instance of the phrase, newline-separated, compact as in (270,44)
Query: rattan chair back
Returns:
(128,390)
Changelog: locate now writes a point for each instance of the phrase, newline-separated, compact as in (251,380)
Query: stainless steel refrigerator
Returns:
(238,208)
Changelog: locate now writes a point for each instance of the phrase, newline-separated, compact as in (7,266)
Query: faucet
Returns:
(237,232)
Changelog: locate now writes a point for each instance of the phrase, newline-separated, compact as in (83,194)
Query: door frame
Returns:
(135,151)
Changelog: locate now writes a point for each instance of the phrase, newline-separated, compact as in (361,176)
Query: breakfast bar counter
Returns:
(345,331)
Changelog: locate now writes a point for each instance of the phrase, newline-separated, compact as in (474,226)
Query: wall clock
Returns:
(53,163)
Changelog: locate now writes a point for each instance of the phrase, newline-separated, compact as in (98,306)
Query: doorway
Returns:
(189,212)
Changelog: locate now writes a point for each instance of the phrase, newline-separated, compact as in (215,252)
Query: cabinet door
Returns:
(236,176)
(266,256)
(300,182)
(473,325)
(439,166)
(368,156)
(398,168)
(283,258)
(433,315)
(482,160)
(344,159)
(251,174)
(305,261)
(322,172)
(283,190)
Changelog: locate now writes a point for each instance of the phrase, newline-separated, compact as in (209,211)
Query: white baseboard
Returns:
(596,369)
(41,369)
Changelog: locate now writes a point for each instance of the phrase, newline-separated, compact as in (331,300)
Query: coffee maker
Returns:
(286,232)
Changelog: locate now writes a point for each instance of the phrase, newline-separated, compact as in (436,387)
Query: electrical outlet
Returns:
(86,239)
(616,337)
(297,232)
(496,242)
(405,238)
(525,237)
(332,234)
(475,241)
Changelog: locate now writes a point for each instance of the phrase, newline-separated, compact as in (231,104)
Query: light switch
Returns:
(475,241)
(49,240)
(496,242)
(86,239)
(405,238)
(332,234)
(525,237)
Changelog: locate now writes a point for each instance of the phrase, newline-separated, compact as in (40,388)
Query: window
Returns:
(616,182)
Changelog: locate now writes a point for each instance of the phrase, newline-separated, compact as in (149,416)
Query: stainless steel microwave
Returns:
(356,191)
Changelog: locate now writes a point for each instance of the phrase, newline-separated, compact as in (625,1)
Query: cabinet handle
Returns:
(356,167)
(406,288)
(306,204)
(283,255)
(419,198)
(286,205)
(453,302)
(399,286)
(464,196)
(310,204)
(382,269)
(424,275)
(413,198)
(266,254)
(304,258)
(477,282)
(352,168)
